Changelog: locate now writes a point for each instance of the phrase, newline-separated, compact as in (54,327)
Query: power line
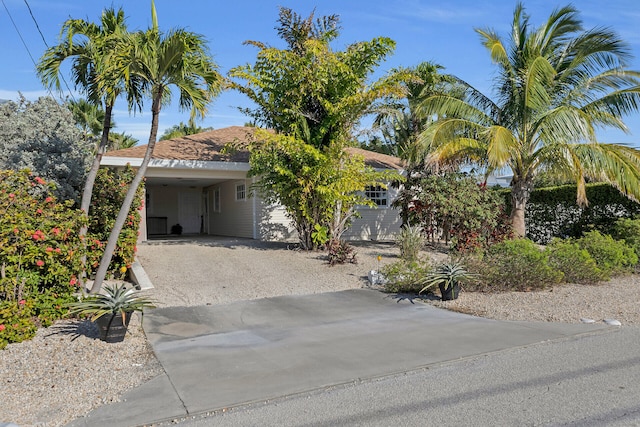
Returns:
(35,22)
(19,34)
(47,45)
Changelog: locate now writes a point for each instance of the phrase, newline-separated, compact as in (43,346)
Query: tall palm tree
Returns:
(90,47)
(557,84)
(154,63)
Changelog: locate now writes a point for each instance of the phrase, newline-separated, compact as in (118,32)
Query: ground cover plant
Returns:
(40,255)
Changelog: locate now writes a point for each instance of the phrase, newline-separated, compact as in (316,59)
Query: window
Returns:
(376,194)
(241,192)
(216,200)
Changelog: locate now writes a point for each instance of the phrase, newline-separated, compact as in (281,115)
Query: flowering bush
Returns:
(109,191)
(40,254)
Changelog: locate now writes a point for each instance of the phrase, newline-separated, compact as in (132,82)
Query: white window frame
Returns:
(241,194)
(216,200)
(378,195)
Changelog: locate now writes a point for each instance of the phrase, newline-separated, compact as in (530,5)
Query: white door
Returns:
(189,211)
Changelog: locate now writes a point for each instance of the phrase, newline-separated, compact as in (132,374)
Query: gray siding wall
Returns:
(378,224)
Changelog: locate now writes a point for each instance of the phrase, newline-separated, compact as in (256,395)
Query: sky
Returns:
(424,30)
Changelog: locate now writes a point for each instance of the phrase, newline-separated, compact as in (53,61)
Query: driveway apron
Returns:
(217,357)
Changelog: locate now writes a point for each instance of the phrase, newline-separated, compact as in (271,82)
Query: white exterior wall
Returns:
(236,216)
(379,224)
(273,224)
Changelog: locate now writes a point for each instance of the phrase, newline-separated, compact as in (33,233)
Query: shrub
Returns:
(454,207)
(340,252)
(405,276)
(515,265)
(40,254)
(613,257)
(109,191)
(410,241)
(628,229)
(575,263)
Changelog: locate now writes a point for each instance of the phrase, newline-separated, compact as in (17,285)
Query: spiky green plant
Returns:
(116,299)
(447,274)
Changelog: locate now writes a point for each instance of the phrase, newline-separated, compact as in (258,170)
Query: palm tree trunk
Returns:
(128,200)
(520,193)
(87,191)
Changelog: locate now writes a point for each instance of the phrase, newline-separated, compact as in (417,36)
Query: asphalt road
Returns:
(591,380)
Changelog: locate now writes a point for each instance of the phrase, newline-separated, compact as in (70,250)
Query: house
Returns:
(193,182)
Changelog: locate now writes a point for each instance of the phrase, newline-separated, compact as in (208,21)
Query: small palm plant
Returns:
(447,277)
(117,299)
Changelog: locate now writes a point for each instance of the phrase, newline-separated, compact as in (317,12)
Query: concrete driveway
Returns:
(217,357)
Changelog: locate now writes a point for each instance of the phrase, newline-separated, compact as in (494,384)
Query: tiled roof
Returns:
(208,146)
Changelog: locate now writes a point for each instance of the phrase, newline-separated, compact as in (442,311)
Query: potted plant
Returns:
(448,277)
(112,310)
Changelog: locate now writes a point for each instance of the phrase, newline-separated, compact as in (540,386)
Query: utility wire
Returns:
(35,22)
(47,45)
(19,34)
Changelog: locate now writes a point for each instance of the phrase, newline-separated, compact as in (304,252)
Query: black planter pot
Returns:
(449,293)
(112,328)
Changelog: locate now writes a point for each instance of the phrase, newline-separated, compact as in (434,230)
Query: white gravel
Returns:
(65,372)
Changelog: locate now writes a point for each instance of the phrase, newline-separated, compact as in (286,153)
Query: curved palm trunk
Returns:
(520,194)
(126,204)
(87,191)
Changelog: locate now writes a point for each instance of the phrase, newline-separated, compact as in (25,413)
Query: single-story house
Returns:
(193,182)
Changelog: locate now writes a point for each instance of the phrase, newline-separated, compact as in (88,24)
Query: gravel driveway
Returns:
(215,270)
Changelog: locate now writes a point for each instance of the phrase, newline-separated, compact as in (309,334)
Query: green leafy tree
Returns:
(42,136)
(316,96)
(556,85)
(318,188)
(154,62)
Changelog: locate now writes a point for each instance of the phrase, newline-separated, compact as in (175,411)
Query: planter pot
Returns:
(451,293)
(112,328)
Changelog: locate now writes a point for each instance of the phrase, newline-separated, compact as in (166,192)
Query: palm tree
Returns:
(153,63)
(557,84)
(400,121)
(89,117)
(90,55)
(120,140)
(183,129)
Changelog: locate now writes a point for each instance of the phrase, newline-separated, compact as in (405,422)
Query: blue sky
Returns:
(427,30)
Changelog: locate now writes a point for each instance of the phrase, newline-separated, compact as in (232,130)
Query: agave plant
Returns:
(116,299)
(446,276)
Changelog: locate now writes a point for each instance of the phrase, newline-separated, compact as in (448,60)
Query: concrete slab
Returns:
(222,356)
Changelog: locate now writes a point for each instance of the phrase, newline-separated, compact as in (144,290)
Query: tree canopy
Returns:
(42,136)
(316,96)
(556,85)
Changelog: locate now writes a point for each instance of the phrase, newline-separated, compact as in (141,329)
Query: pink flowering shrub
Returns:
(40,255)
